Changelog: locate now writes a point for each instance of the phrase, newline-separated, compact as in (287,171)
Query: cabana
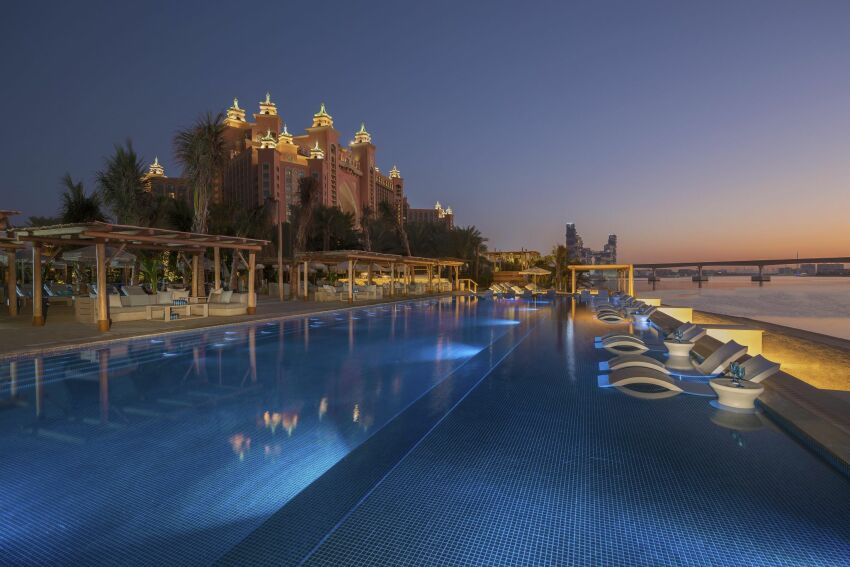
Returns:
(121,237)
(401,268)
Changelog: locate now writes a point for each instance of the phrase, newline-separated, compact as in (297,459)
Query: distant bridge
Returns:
(779,262)
(699,265)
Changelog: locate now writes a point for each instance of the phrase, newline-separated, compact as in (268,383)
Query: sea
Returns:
(816,304)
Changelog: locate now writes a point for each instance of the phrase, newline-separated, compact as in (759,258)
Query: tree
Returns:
(76,205)
(121,186)
(233,219)
(201,150)
(389,216)
(333,228)
(305,212)
(365,229)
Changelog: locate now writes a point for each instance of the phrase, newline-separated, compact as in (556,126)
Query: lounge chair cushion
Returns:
(163,297)
(226,296)
(180,294)
(114,301)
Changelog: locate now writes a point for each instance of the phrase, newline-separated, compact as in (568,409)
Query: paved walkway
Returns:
(19,338)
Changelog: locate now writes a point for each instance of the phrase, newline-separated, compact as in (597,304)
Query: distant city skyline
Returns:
(692,131)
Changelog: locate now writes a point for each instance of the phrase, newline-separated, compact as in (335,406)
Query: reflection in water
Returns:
(103,416)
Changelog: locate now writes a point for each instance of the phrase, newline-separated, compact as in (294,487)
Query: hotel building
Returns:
(435,215)
(267,161)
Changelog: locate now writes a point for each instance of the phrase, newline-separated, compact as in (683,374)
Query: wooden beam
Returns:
(252,275)
(217,267)
(37,292)
(195,283)
(351,281)
(102,294)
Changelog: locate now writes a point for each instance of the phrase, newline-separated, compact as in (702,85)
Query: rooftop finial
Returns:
(268,97)
(316,152)
(322,118)
(362,136)
(236,103)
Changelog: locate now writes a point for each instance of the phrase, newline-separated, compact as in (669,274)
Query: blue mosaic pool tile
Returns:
(538,466)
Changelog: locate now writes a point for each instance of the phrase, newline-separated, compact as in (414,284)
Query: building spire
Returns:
(155,169)
(235,113)
(362,136)
(267,106)
(322,118)
(316,152)
(285,137)
(395,173)
(268,141)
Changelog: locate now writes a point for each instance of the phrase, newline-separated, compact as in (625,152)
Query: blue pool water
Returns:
(441,431)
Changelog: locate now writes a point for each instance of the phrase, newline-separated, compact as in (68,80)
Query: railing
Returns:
(467,284)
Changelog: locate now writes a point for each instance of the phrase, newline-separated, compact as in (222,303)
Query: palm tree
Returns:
(308,189)
(201,150)
(365,229)
(76,205)
(335,227)
(121,186)
(561,260)
(388,214)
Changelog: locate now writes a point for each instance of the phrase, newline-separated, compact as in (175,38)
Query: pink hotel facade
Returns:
(267,161)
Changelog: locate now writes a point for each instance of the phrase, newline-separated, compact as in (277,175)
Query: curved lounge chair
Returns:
(690,332)
(617,334)
(643,315)
(640,375)
(625,346)
(758,368)
(637,360)
(611,317)
(717,361)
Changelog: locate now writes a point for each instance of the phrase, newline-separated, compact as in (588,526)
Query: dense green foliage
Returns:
(201,150)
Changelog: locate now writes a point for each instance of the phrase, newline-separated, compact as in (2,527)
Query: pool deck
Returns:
(62,331)
(820,419)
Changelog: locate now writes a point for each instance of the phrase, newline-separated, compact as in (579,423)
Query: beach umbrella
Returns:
(534,272)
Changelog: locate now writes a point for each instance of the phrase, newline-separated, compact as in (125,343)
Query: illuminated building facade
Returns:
(267,162)
(161,185)
(437,214)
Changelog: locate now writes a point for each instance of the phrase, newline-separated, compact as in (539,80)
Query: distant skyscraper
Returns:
(611,248)
(574,243)
(578,253)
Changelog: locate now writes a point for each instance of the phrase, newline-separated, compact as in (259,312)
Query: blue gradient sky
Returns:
(711,130)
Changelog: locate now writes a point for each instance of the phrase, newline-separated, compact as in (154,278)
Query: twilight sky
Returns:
(708,130)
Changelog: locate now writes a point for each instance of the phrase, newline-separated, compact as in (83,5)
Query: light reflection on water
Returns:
(207,434)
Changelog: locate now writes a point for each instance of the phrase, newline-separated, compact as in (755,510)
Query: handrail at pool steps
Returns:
(466,284)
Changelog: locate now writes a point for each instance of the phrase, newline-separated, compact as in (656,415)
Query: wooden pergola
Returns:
(100,234)
(625,275)
(402,268)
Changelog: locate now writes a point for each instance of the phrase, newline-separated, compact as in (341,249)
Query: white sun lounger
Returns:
(611,318)
(690,332)
(636,360)
(625,345)
(642,375)
(758,368)
(717,361)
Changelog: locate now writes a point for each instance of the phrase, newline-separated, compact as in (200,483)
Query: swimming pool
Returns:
(422,432)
